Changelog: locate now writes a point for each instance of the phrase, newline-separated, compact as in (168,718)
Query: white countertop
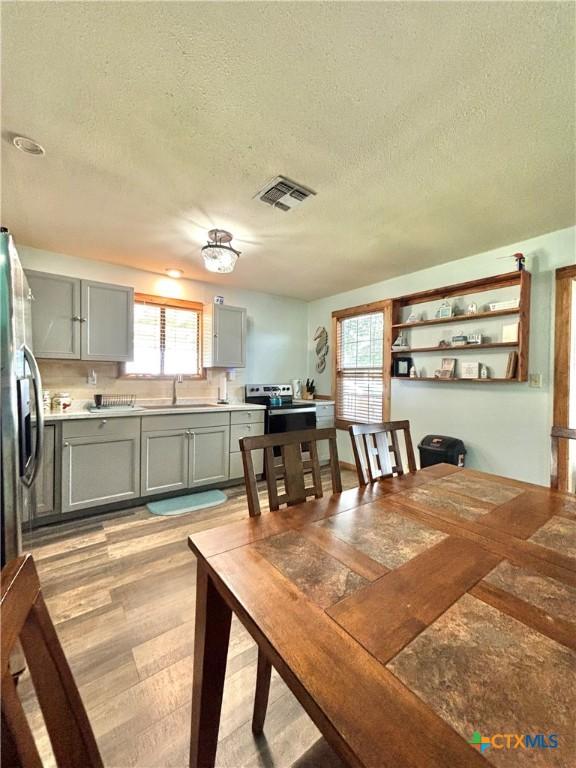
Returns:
(314,402)
(151,411)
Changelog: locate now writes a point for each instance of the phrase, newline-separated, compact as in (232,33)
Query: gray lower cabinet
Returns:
(164,464)
(100,462)
(208,460)
(45,482)
(324,419)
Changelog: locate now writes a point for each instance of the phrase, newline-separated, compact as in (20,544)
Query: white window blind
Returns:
(359,368)
(166,340)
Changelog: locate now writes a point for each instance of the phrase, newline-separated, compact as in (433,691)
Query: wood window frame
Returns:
(384,306)
(195,306)
(565,277)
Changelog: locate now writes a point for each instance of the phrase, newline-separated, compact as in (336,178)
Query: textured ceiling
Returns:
(430,131)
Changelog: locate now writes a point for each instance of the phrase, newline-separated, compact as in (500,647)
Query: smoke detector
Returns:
(283,193)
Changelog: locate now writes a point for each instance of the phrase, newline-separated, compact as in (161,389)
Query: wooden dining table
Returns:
(425,621)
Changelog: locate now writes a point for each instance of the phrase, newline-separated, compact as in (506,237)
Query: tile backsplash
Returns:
(71,376)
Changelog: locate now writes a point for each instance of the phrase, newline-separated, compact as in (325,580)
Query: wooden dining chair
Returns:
(557,434)
(290,458)
(377,450)
(25,618)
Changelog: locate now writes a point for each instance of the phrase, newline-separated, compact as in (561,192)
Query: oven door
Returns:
(291,419)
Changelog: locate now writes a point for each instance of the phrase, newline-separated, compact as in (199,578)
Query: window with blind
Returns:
(166,338)
(360,368)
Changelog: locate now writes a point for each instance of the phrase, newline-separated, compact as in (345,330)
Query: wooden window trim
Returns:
(384,306)
(196,306)
(565,277)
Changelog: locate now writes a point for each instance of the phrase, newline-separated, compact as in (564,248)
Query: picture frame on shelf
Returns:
(401,367)
(445,310)
(447,370)
(470,369)
(510,333)
(472,308)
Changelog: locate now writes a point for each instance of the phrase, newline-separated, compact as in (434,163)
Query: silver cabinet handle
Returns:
(66,445)
(29,478)
(103,421)
(77,318)
(83,319)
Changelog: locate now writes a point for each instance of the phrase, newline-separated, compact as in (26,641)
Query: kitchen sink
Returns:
(180,406)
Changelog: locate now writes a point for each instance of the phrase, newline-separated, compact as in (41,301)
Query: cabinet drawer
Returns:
(324,411)
(324,423)
(237,469)
(127,426)
(186,421)
(246,417)
(238,431)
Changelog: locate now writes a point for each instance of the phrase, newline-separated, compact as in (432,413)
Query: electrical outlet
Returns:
(535,380)
(92,378)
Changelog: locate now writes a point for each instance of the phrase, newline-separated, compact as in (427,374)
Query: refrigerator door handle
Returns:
(31,475)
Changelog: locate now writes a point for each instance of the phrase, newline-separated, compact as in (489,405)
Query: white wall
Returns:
(276,343)
(505,426)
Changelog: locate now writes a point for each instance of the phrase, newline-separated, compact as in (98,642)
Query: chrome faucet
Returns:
(177,380)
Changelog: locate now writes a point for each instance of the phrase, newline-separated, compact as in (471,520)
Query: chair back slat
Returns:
(557,434)
(290,458)
(18,745)
(377,451)
(71,736)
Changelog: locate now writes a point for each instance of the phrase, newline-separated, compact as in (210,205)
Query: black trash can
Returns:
(438,449)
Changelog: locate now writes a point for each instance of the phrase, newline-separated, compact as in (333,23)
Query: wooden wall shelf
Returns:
(458,318)
(470,288)
(494,380)
(463,348)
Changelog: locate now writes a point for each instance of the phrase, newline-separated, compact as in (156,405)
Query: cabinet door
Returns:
(229,337)
(209,455)
(107,322)
(45,483)
(99,470)
(164,461)
(324,445)
(55,315)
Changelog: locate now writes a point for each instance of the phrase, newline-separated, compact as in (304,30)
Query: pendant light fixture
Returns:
(218,255)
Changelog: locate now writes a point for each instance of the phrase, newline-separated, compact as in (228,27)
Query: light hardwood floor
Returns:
(121,591)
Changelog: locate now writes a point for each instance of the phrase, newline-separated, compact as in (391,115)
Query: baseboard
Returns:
(347,465)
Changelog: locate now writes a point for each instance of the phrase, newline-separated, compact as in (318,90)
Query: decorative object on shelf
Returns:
(519,258)
(474,338)
(510,332)
(400,343)
(218,255)
(447,370)
(444,343)
(472,308)
(469,370)
(444,310)
(413,373)
(413,317)
(402,366)
(498,306)
(460,340)
(511,365)
(484,372)
(321,339)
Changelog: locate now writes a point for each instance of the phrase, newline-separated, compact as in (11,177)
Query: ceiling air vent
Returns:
(283,193)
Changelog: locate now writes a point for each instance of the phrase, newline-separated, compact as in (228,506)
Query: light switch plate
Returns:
(535,380)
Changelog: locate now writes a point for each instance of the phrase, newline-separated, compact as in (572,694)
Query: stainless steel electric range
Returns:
(282,413)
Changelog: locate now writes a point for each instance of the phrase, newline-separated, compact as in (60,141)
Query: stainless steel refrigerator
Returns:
(21,407)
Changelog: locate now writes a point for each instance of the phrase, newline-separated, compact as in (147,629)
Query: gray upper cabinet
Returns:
(164,461)
(209,455)
(225,340)
(107,322)
(55,315)
(81,319)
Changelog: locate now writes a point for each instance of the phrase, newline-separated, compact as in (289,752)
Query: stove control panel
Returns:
(265,390)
